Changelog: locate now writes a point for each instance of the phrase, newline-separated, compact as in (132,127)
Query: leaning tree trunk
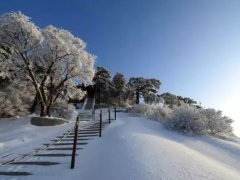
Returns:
(137,97)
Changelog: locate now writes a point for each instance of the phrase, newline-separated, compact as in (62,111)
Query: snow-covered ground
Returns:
(18,136)
(136,148)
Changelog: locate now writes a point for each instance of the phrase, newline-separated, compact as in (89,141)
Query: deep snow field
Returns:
(131,148)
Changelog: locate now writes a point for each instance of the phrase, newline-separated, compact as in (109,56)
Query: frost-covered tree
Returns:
(48,57)
(102,82)
(186,100)
(15,94)
(5,75)
(129,95)
(119,83)
(101,74)
(152,98)
(73,93)
(170,99)
(142,86)
(5,53)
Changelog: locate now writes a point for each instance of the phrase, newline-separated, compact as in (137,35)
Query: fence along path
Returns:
(50,153)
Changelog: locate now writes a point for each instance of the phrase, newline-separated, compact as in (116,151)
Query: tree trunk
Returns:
(35,83)
(43,111)
(34,105)
(49,108)
(137,97)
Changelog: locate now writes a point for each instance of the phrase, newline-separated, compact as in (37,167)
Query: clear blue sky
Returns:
(192,46)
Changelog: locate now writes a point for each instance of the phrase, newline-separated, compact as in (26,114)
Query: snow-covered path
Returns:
(135,148)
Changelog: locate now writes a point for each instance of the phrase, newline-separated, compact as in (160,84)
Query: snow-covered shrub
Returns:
(216,123)
(153,111)
(142,109)
(14,102)
(160,113)
(188,120)
(63,110)
(11,106)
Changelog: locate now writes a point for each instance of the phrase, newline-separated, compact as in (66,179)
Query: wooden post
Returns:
(75,144)
(115,112)
(93,113)
(100,128)
(109,115)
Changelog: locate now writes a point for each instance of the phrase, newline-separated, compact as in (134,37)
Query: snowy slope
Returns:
(18,136)
(135,148)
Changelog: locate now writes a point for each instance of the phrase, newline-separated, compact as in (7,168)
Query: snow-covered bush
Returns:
(160,113)
(188,120)
(63,110)
(153,111)
(142,109)
(216,123)
(11,105)
(14,101)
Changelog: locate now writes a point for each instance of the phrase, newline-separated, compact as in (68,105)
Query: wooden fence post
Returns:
(75,144)
(100,128)
(93,113)
(109,115)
